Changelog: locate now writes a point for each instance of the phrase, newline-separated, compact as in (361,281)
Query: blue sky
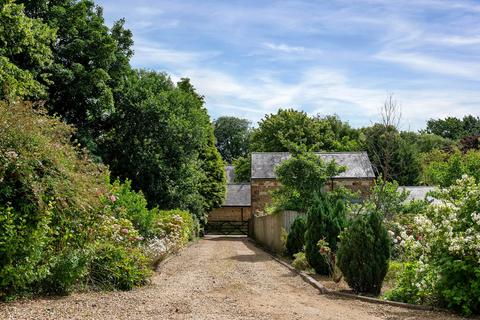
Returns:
(250,58)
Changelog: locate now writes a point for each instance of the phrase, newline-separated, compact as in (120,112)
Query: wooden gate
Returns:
(229,220)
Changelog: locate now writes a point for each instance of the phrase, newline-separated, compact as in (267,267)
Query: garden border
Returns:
(323,290)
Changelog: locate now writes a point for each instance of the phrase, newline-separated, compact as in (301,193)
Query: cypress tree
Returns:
(364,253)
(325,220)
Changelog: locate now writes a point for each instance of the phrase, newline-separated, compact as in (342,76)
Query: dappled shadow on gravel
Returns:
(222,238)
(250,258)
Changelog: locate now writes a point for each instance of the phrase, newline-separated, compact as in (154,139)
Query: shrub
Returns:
(364,252)
(446,271)
(118,267)
(55,226)
(325,220)
(296,237)
(131,205)
(174,228)
(48,199)
(300,261)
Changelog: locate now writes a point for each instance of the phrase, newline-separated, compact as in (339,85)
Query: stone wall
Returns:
(262,188)
(355,185)
(230,214)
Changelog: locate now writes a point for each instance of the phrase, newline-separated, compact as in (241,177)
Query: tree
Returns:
(454,128)
(443,169)
(326,218)
(277,132)
(162,140)
(426,142)
(391,156)
(232,135)
(301,177)
(288,129)
(90,62)
(364,252)
(25,53)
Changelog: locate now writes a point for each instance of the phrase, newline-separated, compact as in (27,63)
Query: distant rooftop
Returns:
(357,163)
(238,195)
(419,193)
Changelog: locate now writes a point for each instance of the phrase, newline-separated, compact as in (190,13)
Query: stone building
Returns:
(234,214)
(245,199)
(358,176)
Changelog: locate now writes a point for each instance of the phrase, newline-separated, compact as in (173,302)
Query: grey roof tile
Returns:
(419,193)
(238,195)
(357,163)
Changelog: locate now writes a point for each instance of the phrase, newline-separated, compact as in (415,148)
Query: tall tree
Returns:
(391,156)
(232,136)
(90,63)
(163,141)
(25,53)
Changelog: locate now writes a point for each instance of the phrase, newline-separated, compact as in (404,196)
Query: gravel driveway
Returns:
(215,278)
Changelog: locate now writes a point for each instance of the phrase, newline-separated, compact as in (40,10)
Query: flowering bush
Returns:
(174,228)
(445,246)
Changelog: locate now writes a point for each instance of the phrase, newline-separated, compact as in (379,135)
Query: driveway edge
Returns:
(323,290)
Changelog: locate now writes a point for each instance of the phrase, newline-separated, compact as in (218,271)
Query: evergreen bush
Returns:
(364,252)
(296,237)
(325,220)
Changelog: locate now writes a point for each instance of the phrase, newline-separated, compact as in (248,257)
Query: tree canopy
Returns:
(163,141)
(90,62)
(25,53)
(232,135)
(454,128)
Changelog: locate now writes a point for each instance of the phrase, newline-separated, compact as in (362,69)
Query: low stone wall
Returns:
(267,230)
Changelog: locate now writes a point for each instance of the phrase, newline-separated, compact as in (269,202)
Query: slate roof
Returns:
(238,195)
(229,170)
(357,163)
(419,193)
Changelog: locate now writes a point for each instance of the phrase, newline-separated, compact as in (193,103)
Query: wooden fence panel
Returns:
(267,230)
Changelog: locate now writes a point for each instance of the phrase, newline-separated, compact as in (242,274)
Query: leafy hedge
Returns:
(62,224)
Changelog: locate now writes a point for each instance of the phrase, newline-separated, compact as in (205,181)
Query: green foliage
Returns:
(287,128)
(454,128)
(296,236)
(232,136)
(388,199)
(177,222)
(54,221)
(444,256)
(426,142)
(243,166)
(364,252)
(391,155)
(162,140)
(443,169)
(325,220)
(25,53)
(123,202)
(300,261)
(117,267)
(276,132)
(301,176)
(90,63)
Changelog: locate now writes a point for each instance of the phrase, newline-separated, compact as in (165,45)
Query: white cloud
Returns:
(432,65)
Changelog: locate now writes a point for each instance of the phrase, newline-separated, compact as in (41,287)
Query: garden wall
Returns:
(267,230)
